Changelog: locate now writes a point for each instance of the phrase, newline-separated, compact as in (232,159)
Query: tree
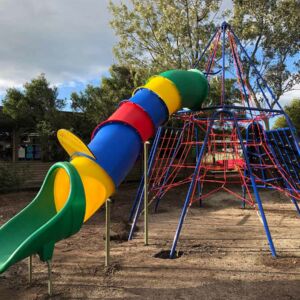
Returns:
(162,34)
(293,111)
(36,108)
(16,107)
(270,31)
(37,102)
(232,93)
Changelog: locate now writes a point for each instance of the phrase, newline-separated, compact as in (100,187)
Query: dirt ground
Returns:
(225,254)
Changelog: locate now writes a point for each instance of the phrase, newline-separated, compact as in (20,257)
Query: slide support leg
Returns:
(30,269)
(50,289)
(107,232)
(146,209)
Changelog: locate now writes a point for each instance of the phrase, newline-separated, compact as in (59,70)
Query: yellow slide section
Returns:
(98,186)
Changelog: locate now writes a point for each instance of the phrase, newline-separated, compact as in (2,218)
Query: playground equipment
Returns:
(73,191)
(224,144)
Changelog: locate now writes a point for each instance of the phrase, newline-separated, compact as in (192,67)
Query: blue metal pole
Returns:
(139,203)
(205,49)
(293,130)
(255,69)
(141,185)
(241,79)
(294,155)
(245,171)
(254,187)
(224,27)
(287,154)
(263,93)
(190,190)
(166,177)
(286,183)
(296,139)
(236,107)
(197,154)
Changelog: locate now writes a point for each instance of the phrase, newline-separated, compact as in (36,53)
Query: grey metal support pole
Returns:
(107,232)
(146,220)
(49,278)
(30,269)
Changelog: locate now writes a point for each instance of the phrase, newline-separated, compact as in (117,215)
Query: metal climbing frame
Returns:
(225,143)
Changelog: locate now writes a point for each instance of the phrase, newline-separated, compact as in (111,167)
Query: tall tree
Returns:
(162,34)
(36,102)
(270,31)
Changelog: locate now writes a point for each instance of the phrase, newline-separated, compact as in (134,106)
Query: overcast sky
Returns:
(68,40)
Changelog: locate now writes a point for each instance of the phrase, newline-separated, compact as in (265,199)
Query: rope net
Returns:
(223,165)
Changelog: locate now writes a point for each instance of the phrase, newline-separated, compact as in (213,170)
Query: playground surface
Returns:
(225,253)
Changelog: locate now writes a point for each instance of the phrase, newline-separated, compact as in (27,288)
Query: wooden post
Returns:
(146,220)
(15,145)
(107,232)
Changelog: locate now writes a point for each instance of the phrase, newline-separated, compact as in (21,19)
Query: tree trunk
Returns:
(15,144)
(267,124)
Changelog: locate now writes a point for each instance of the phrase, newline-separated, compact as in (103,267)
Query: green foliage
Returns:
(10,176)
(38,102)
(15,107)
(232,94)
(162,34)
(36,108)
(293,111)
(270,29)
(280,123)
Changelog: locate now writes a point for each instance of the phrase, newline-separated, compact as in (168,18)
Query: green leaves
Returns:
(161,34)
(271,30)
(36,108)
(293,111)
(36,102)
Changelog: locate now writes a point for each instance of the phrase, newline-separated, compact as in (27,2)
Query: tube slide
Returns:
(101,165)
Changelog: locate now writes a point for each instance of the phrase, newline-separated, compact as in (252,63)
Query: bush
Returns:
(10,177)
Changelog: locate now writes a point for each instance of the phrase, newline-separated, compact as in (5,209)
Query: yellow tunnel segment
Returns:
(166,90)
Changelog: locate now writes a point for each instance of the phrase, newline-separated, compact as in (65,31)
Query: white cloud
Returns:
(289,96)
(68,40)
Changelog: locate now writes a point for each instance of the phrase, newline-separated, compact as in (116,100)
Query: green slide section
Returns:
(37,228)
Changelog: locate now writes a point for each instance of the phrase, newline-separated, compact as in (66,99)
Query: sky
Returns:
(68,40)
